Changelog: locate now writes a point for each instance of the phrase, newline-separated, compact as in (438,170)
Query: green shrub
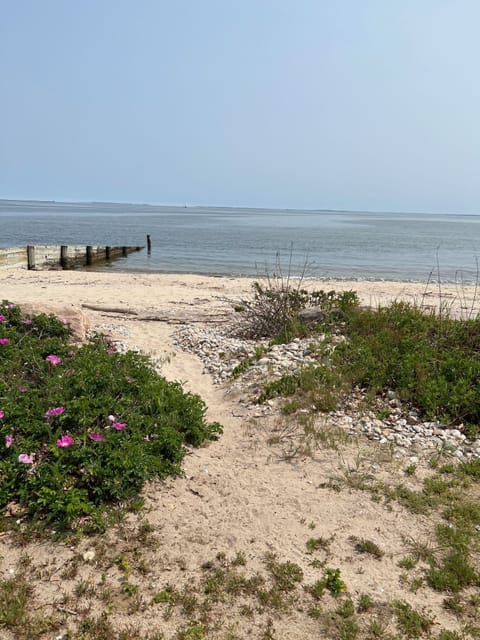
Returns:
(430,361)
(84,427)
(333,582)
(273,309)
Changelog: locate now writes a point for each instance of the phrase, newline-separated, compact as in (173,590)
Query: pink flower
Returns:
(23,389)
(112,418)
(9,440)
(53,359)
(64,321)
(10,306)
(97,437)
(2,318)
(24,458)
(4,340)
(69,372)
(146,438)
(2,413)
(65,441)
(119,425)
(27,321)
(56,411)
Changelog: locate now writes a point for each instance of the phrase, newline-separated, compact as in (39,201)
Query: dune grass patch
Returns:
(431,362)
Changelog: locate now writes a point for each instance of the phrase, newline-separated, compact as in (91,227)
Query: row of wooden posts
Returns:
(89,254)
(62,256)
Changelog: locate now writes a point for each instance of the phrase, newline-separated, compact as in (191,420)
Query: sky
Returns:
(328,104)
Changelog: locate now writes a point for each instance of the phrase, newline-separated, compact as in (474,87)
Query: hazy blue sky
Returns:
(355,104)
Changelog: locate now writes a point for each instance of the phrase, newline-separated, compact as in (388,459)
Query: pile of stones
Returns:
(224,356)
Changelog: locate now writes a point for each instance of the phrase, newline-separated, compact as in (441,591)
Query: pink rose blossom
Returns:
(9,440)
(65,441)
(27,321)
(53,359)
(119,426)
(4,340)
(2,318)
(24,458)
(97,437)
(56,411)
(112,418)
(10,306)
(2,413)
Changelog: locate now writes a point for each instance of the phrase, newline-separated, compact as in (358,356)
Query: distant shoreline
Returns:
(227,207)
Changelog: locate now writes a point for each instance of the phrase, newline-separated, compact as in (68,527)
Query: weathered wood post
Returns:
(124,251)
(30,256)
(149,244)
(89,254)
(107,253)
(63,256)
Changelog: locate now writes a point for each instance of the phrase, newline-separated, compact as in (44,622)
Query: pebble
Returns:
(220,351)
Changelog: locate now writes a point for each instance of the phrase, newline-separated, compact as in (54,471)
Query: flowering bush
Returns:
(83,428)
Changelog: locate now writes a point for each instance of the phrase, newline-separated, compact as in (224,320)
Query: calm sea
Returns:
(334,244)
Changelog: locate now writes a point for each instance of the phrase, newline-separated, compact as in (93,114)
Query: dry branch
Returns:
(97,307)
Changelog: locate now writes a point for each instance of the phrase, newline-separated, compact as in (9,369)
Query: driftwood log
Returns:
(97,307)
(153,317)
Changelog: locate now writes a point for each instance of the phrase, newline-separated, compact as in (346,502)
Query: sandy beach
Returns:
(237,495)
(154,291)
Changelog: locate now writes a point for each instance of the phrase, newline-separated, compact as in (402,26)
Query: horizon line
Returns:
(248,207)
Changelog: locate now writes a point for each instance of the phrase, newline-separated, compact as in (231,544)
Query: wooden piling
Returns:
(107,253)
(63,256)
(30,257)
(124,251)
(89,254)
(149,244)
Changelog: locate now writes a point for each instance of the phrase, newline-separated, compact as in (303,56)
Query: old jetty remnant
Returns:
(44,257)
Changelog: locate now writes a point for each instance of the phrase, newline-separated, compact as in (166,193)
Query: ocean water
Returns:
(234,241)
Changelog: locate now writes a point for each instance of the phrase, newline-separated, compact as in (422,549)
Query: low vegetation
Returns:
(82,428)
(430,361)
(272,311)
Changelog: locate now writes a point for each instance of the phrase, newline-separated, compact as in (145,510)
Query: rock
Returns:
(88,555)
(312,316)
(77,320)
